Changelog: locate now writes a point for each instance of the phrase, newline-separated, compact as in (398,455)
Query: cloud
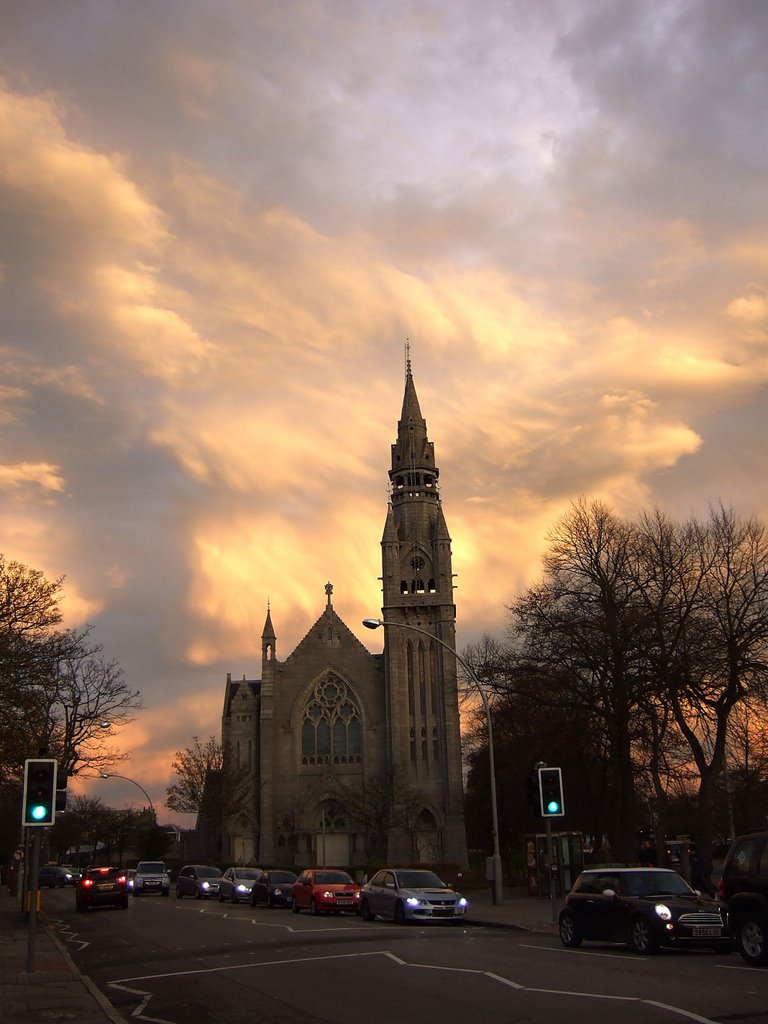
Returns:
(217,229)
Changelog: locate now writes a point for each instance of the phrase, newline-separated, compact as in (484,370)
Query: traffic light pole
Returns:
(551,868)
(31,894)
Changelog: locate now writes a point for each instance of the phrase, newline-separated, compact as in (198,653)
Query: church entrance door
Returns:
(332,849)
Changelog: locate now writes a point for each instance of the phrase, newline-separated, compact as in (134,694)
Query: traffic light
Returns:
(39,801)
(551,792)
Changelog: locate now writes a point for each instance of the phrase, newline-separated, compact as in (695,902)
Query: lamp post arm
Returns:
(111,775)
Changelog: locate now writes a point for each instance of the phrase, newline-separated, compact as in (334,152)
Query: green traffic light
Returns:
(38,812)
(553,806)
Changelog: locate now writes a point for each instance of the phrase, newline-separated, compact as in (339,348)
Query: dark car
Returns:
(326,890)
(275,888)
(54,876)
(743,888)
(235,884)
(199,880)
(102,887)
(410,894)
(643,907)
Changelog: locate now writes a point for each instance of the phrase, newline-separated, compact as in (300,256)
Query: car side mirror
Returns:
(609,892)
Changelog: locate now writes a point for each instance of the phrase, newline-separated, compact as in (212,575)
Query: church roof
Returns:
(328,631)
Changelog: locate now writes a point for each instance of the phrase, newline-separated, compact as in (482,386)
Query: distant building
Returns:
(352,756)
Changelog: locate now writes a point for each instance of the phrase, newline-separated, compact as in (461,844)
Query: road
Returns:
(190,962)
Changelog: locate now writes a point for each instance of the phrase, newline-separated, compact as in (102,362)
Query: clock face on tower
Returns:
(417,563)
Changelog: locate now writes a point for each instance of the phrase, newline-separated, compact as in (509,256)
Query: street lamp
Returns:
(110,775)
(497,880)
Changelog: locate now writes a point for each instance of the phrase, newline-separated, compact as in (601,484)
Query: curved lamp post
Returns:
(111,775)
(497,879)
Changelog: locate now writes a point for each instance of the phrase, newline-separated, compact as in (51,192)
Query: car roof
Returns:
(621,870)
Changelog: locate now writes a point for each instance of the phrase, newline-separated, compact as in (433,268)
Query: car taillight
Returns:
(87,883)
(122,879)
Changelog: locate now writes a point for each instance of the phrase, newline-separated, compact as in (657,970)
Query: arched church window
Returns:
(331,731)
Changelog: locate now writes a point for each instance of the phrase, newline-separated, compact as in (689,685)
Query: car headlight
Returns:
(462,902)
(663,911)
(205,885)
(242,888)
(328,895)
(412,901)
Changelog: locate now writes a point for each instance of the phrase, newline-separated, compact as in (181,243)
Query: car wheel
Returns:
(221,898)
(751,940)
(313,907)
(568,934)
(399,913)
(641,937)
(365,911)
(178,893)
(198,894)
(295,907)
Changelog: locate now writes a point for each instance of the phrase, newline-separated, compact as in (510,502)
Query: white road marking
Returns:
(399,962)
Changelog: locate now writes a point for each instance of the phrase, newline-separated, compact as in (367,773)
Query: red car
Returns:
(325,889)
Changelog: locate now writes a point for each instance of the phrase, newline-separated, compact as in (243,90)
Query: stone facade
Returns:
(352,757)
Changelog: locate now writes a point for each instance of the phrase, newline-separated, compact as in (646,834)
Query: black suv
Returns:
(744,889)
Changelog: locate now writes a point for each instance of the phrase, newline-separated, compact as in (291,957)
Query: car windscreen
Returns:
(282,876)
(332,878)
(149,867)
(249,873)
(209,873)
(419,880)
(655,883)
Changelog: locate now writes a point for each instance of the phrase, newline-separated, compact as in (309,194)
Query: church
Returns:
(341,757)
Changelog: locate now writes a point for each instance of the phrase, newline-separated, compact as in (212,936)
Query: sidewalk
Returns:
(56,990)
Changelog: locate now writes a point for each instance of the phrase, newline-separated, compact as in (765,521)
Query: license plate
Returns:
(105,887)
(706,933)
(347,903)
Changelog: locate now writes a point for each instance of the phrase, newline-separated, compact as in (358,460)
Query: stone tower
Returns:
(424,739)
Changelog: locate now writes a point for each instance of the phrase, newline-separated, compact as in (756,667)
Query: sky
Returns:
(219,224)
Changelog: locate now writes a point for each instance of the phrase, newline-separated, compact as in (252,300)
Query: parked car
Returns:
(236,883)
(54,876)
(199,880)
(131,877)
(275,888)
(102,887)
(644,907)
(743,888)
(151,876)
(410,894)
(325,889)
(75,872)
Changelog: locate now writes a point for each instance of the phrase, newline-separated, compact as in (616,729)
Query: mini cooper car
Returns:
(102,887)
(410,894)
(644,907)
(236,883)
(325,890)
(275,888)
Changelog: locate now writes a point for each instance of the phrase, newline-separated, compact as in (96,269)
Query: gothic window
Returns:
(331,732)
(413,744)
(435,745)
(403,586)
(431,587)
(411,681)
(424,744)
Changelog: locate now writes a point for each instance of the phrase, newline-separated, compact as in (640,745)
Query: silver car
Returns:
(410,894)
(236,884)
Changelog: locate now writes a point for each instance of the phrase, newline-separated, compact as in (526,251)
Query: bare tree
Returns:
(193,793)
